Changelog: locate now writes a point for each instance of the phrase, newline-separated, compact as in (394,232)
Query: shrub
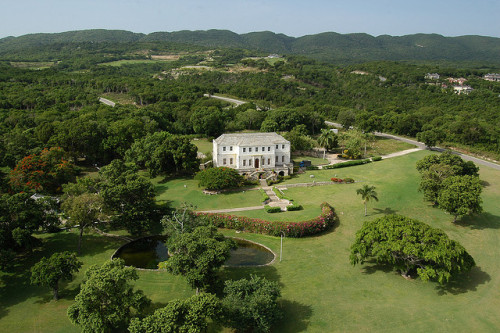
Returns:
(265,197)
(319,224)
(376,158)
(219,178)
(347,164)
(270,209)
(336,180)
(312,167)
(348,180)
(294,207)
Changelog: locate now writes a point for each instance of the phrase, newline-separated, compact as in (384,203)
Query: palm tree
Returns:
(327,140)
(367,193)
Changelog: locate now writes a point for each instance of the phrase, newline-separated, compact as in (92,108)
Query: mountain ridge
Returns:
(326,46)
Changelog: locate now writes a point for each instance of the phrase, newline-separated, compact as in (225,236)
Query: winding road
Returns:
(422,146)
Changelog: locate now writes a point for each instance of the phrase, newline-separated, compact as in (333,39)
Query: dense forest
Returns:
(49,97)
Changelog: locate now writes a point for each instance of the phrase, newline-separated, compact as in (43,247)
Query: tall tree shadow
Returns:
(465,282)
(296,317)
(482,221)
(385,211)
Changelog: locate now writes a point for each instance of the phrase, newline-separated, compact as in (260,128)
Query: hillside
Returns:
(328,46)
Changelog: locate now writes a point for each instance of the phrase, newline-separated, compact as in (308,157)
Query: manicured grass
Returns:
(314,160)
(178,191)
(32,65)
(385,146)
(321,291)
(204,146)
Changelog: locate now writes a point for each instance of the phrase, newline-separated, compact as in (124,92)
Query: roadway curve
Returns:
(421,145)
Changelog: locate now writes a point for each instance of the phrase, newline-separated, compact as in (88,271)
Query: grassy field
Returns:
(119,63)
(204,146)
(32,65)
(321,291)
(119,98)
(177,191)
(314,160)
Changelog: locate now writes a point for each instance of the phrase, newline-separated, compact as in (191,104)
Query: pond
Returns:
(148,252)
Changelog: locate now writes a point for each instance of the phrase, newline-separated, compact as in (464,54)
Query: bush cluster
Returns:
(347,164)
(319,224)
(265,197)
(348,180)
(376,158)
(294,207)
(270,209)
(336,180)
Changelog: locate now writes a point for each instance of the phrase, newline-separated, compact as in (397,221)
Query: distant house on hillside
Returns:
(492,77)
(462,89)
(432,76)
(460,80)
(253,154)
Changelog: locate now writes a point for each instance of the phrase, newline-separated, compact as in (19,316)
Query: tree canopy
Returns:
(412,247)
(251,304)
(180,316)
(107,301)
(198,255)
(461,195)
(59,266)
(219,178)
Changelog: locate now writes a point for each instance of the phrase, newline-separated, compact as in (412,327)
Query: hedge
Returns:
(319,224)
(346,164)
(270,209)
(294,207)
(376,158)
(264,195)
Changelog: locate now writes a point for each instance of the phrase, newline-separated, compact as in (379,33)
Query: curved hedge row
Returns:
(323,222)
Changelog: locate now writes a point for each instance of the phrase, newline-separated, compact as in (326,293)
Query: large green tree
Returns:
(461,195)
(328,140)
(219,178)
(198,255)
(130,198)
(412,247)
(49,271)
(107,300)
(164,153)
(180,316)
(83,211)
(251,304)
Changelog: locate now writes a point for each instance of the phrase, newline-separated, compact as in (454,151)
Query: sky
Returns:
(292,17)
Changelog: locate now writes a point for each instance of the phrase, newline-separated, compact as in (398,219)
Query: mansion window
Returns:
(256,149)
(268,161)
(268,148)
(282,146)
(249,150)
(244,150)
(244,161)
(223,148)
(224,161)
(283,158)
(276,146)
(231,161)
(276,159)
(230,148)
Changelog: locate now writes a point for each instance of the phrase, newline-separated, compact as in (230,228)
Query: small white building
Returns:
(492,77)
(432,76)
(253,154)
(462,90)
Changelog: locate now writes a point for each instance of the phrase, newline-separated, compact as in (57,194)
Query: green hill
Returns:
(328,46)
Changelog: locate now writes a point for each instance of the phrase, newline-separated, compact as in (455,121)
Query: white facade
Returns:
(250,152)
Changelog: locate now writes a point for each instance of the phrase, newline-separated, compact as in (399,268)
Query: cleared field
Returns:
(32,65)
(119,63)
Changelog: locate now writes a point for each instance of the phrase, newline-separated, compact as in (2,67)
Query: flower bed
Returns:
(323,222)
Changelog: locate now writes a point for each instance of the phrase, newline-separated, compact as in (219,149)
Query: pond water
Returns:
(149,251)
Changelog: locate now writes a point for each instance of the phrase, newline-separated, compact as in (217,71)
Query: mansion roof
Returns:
(250,139)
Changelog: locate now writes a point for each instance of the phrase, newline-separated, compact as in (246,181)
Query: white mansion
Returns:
(253,154)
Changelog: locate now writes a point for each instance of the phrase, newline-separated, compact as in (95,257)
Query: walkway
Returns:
(422,145)
(274,201)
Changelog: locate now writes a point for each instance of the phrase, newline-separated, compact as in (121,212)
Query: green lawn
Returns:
(384,146)
(321,291)
(314,160)
(119,63)
(178,191)
(204,146)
